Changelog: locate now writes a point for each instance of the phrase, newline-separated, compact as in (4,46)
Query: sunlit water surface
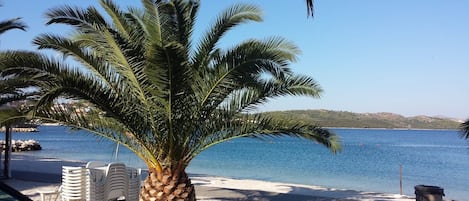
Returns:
(370,159)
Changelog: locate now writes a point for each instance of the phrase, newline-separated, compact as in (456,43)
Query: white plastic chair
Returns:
(51,195)
(116,181)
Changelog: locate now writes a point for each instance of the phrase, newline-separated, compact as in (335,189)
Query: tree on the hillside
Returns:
(154,89)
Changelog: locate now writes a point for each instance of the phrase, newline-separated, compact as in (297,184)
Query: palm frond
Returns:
(117,16)
(94,122)
(85,19)
(10,116)
(310,7)
(230,127)
(15,23)
(151,23)
(243,66)
(185,13)
(229,18)
(464,129)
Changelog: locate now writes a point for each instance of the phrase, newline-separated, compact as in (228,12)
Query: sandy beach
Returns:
(31,175)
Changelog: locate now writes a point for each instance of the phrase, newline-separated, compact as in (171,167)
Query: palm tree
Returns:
(10,91)
(155,90)
(9,88)
(464,127)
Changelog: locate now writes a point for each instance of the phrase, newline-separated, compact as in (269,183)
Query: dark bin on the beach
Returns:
(428,193)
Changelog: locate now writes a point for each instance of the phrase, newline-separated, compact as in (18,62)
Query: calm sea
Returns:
(370,159)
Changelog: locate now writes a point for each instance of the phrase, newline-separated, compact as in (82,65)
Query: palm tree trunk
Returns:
(172,186)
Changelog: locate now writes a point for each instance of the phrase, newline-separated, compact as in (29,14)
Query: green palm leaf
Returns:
(10,24)
(464,127)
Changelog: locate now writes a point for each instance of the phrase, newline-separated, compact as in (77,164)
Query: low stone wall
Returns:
(22,145)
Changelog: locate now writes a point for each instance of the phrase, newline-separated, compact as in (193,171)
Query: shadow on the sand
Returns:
(342,193)
(217,194)
(294,193)
(30,168)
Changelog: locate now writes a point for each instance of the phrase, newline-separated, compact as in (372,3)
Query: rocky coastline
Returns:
(22,145)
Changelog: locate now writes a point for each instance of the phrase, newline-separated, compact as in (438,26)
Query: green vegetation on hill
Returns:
(327,118)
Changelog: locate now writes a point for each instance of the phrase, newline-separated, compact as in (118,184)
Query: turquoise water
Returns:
(369,161)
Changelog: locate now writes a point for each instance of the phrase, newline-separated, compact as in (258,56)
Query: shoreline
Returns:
(32,174)
(327,127)
(411,129)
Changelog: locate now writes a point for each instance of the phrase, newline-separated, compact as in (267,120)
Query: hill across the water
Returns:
(328,118)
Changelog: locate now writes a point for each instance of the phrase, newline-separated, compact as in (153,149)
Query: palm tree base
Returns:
(176,186)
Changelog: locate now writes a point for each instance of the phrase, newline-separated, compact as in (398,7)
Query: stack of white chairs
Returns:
(116,181)
(133,184)
(96,181)
(95,164)
(112,181)
(74,183)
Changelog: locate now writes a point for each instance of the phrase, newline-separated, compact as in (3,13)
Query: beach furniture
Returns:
(52,195)
(97,181)
(96,184)
(134,180)
(112,181)
(116,181)
(429,193)
(94,164)
(74,183)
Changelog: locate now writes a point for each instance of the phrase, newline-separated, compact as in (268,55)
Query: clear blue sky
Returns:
(400,56)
